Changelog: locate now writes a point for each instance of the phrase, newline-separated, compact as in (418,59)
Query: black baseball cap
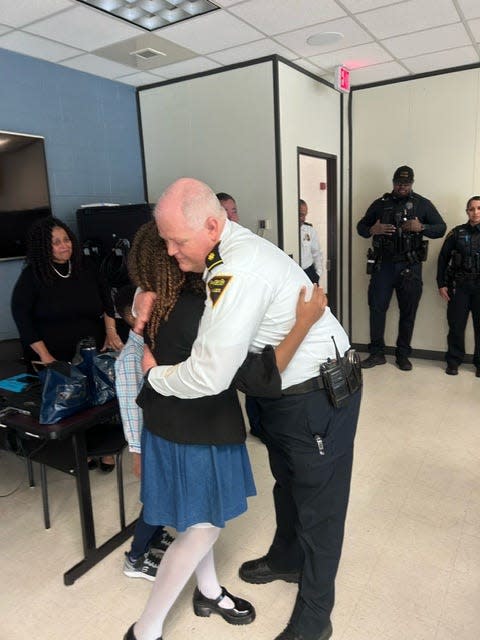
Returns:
(403,174)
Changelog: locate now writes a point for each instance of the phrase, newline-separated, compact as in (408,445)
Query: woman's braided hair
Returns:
(39,249)
(151,268)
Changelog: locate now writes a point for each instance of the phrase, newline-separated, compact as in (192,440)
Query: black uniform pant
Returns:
(312,274)
(463,299)
(310,494)
(406,281)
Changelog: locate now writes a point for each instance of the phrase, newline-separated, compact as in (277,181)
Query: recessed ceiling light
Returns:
(323,38)
(153,14)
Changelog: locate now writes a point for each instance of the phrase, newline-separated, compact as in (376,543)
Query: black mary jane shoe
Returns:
(105,467)
(131,636)
(242,613)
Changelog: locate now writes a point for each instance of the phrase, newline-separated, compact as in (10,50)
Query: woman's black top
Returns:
(60,313)
(212,420)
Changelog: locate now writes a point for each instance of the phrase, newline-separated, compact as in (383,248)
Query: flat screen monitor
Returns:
(24,192)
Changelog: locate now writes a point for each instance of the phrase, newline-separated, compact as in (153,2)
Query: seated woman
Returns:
(196,473)
(58,300)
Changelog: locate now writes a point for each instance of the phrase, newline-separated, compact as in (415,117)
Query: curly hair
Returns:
(151,268)
(39,249)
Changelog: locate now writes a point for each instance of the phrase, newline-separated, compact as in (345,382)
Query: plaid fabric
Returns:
(128,381)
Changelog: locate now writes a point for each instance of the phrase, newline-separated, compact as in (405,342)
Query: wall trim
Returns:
(417,76)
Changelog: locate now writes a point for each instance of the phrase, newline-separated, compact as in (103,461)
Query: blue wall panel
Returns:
(92,141)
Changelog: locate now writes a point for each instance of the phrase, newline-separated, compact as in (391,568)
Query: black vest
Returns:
(213,420)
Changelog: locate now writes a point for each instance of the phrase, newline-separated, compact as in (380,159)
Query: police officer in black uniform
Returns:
(397,221)
(458,279)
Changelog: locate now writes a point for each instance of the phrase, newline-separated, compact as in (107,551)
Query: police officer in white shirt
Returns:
(311,258)
(252,291)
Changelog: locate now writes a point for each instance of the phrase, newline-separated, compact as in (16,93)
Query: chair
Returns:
(102,440)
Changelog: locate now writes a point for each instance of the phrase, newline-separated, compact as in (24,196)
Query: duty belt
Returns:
(313,384)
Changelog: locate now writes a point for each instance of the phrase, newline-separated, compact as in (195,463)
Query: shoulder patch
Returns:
(214,258)
(217,286)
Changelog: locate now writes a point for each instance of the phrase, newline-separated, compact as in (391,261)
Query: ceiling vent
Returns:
(147,54)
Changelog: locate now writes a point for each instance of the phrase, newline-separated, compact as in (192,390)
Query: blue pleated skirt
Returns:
(185,484)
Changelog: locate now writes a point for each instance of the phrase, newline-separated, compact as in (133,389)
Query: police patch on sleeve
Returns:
(217,286)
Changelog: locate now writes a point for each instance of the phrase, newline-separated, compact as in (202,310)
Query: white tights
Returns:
(192,551)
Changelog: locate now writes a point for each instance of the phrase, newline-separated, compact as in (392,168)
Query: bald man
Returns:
(252,289)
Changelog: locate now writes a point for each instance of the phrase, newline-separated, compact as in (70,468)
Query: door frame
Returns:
(333,254)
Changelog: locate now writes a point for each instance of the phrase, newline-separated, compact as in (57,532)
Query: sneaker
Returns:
(159,547)
(372,360)
(145,567)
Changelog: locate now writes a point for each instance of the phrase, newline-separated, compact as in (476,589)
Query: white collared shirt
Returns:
(256,307)
(310,252)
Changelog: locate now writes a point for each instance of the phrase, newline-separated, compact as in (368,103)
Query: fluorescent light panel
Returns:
(153,14)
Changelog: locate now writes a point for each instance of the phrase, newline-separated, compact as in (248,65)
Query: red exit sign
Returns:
(342,79)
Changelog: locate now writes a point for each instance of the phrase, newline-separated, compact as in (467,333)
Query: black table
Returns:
(70,435)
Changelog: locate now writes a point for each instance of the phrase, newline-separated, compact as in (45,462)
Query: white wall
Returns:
(309,118)
(218,128)
(432,125)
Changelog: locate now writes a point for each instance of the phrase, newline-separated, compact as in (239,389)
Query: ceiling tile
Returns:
(297,40)
(276,16)
(309,66)
(470,8)
(186,68)
(139,79)
(475,27)
(37,47)
(356,6)
(84,28)
(405,17)
(442,60)
(354,57)
(250,51)
(4,29)
(97,66)
(226,3)
(378,73)
(413,44)
(211,32)
(21,12)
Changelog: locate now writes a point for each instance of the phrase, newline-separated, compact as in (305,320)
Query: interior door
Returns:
(317,185)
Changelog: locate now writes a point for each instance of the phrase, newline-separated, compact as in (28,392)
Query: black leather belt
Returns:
(313,384)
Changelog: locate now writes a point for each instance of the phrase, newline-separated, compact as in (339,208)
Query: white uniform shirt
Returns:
(256,306)
(310,252)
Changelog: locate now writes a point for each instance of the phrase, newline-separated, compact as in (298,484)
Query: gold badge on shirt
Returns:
(217,286)
(213,258)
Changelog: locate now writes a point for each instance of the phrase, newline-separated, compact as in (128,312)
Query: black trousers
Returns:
(310,494)
(312,274)
(463,300)
(406,281)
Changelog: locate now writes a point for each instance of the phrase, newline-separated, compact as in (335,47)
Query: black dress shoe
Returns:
(403,363)
(477,373)
(92,464)
(290,634)
(451,370)
(131,636)
(259,572)
(373,360)
(242,612)
(105,467)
